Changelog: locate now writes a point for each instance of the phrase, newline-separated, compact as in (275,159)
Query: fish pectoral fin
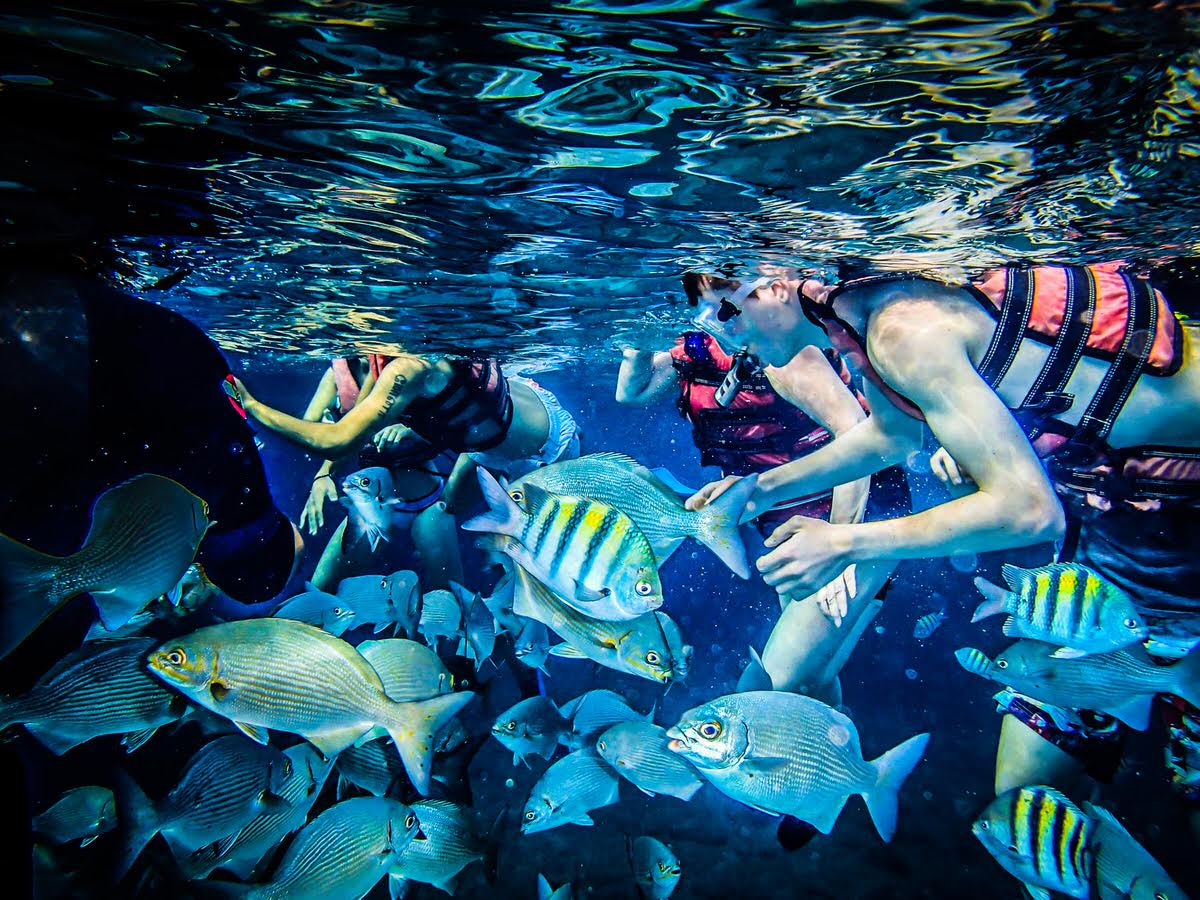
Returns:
(567,651)
(116,610)
(218,690)
(615,643)
(335,741)
(255,732)
(1068,653)
(644,791)
(582,819)
(1134,712)
(57,743)
(1035,892)
(225,844)
(135,739)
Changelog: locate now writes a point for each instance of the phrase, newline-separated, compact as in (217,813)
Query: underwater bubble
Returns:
(508,783)
(879,629)
(483,776)
(910,674)
(918,462)
(928,795)
(964,562)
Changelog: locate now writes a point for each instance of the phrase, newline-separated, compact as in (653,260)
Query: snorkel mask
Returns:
(720,323)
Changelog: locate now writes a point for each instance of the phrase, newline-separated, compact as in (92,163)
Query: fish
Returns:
(784,753)
(272,824)
(1122,683)
(656,869)
(545,892)
(276,673)
(637,646)
(625,484)
(531,646)
(144,535)
(1041,838)
(450,844)
(589,553)
(500,602)
(318,608)
(370,498)
(1065,604)
(478,626)
(342,853)
(534,726)
(101,688)
(596,711)
(81,814)
(384,601)
(223,786)
(374,767)
(409,671)
(638,752)
(1124,868)
(928,624)
(441,616)
(569,791)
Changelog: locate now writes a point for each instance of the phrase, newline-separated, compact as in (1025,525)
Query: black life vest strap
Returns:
(1079,310)
(1140,329)
(1010,327)
(717,429)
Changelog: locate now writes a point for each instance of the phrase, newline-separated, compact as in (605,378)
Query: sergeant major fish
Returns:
(569,791)
(81,814)
(625,484)
(928,624)
(276,673)
(656,868)
(786,753)
(1065,604)
(591,554)
(144,535)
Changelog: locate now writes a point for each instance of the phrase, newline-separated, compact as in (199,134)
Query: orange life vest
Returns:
(347,384)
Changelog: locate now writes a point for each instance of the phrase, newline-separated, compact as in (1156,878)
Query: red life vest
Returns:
(345,379)
(759,430)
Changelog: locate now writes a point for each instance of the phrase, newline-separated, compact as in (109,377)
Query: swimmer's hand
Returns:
(391,437)
(243,395)
(808,554)
(323,489)
(711,492)
(834,599)
(947,470)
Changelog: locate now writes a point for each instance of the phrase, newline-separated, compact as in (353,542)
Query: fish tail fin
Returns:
(717,526)
(413,729)
(1187,681)
(995,600)
(503,515)
(891,769)
(29,591)
(138,817)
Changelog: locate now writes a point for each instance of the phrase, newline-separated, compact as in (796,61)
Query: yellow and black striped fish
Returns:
(1041,838)
(589,553)
(1065,604)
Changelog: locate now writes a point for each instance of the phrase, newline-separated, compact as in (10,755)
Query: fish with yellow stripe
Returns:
(1065,604)
(1042,838)
(590,554)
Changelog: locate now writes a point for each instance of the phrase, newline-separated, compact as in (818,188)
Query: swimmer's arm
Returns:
(645,377)
(1015,505)
(810,383)
(322,398)
(396,388)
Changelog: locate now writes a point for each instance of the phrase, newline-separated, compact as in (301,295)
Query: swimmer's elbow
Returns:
(1043,520)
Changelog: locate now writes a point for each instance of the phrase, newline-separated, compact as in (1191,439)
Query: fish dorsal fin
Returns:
(1013,576)
(110,506)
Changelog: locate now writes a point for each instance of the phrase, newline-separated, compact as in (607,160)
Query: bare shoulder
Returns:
(419,373)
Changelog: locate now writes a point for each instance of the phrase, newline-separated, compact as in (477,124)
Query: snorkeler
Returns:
(1045,384)
(748,419)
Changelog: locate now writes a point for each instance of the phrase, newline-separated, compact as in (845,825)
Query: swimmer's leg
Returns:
(806,650)
(435,537)
(1024,757)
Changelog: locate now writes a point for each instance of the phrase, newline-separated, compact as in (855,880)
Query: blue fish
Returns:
(369,495)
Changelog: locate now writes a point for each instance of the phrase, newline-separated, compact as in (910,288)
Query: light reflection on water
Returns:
(533,180)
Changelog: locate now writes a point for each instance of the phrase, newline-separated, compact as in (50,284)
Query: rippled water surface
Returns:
(533,178)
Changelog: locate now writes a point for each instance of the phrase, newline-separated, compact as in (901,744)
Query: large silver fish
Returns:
(143,537)
(636,646)
(225,784)
(384,601)
(450,844)
(343,853)
(1122,683)
(656,869)
(81,814)
(241,853)
(318,608)
(638,752)
(568,791)
(786,753)
(276,673)
(101,688)
(1125,870)
(622,482)
(408,670)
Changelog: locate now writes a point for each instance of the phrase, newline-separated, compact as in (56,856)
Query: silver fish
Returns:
(500,603)
(241,854)
(638,752)
(343,853)
(101,688)
(1122,683)
(224,785)
(636,646)
(656,868)
(441,616)
(622,482)
(81,814)
(276,673)
(533,726)
(928,624)
(1124,868)
(785,753)
(596,711)
(450,844)
(545,892)
(531,645)
(144,535)
(318,608)
(369,496)
(408,670)
(374,767)
(384,601)
(478,625)
(568,791)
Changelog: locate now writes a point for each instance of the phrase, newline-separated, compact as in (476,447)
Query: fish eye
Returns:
(983,826)
(530,816)
(664,868)
(644,588)
(600,745)
(1131,623)
(176,657)
(710,730)
(204,506)
(1159,895)
(337,610)
(511,726)
(410,820)
(1002,664)
(364,482)
(518,496)
(287,767)
(653,658)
